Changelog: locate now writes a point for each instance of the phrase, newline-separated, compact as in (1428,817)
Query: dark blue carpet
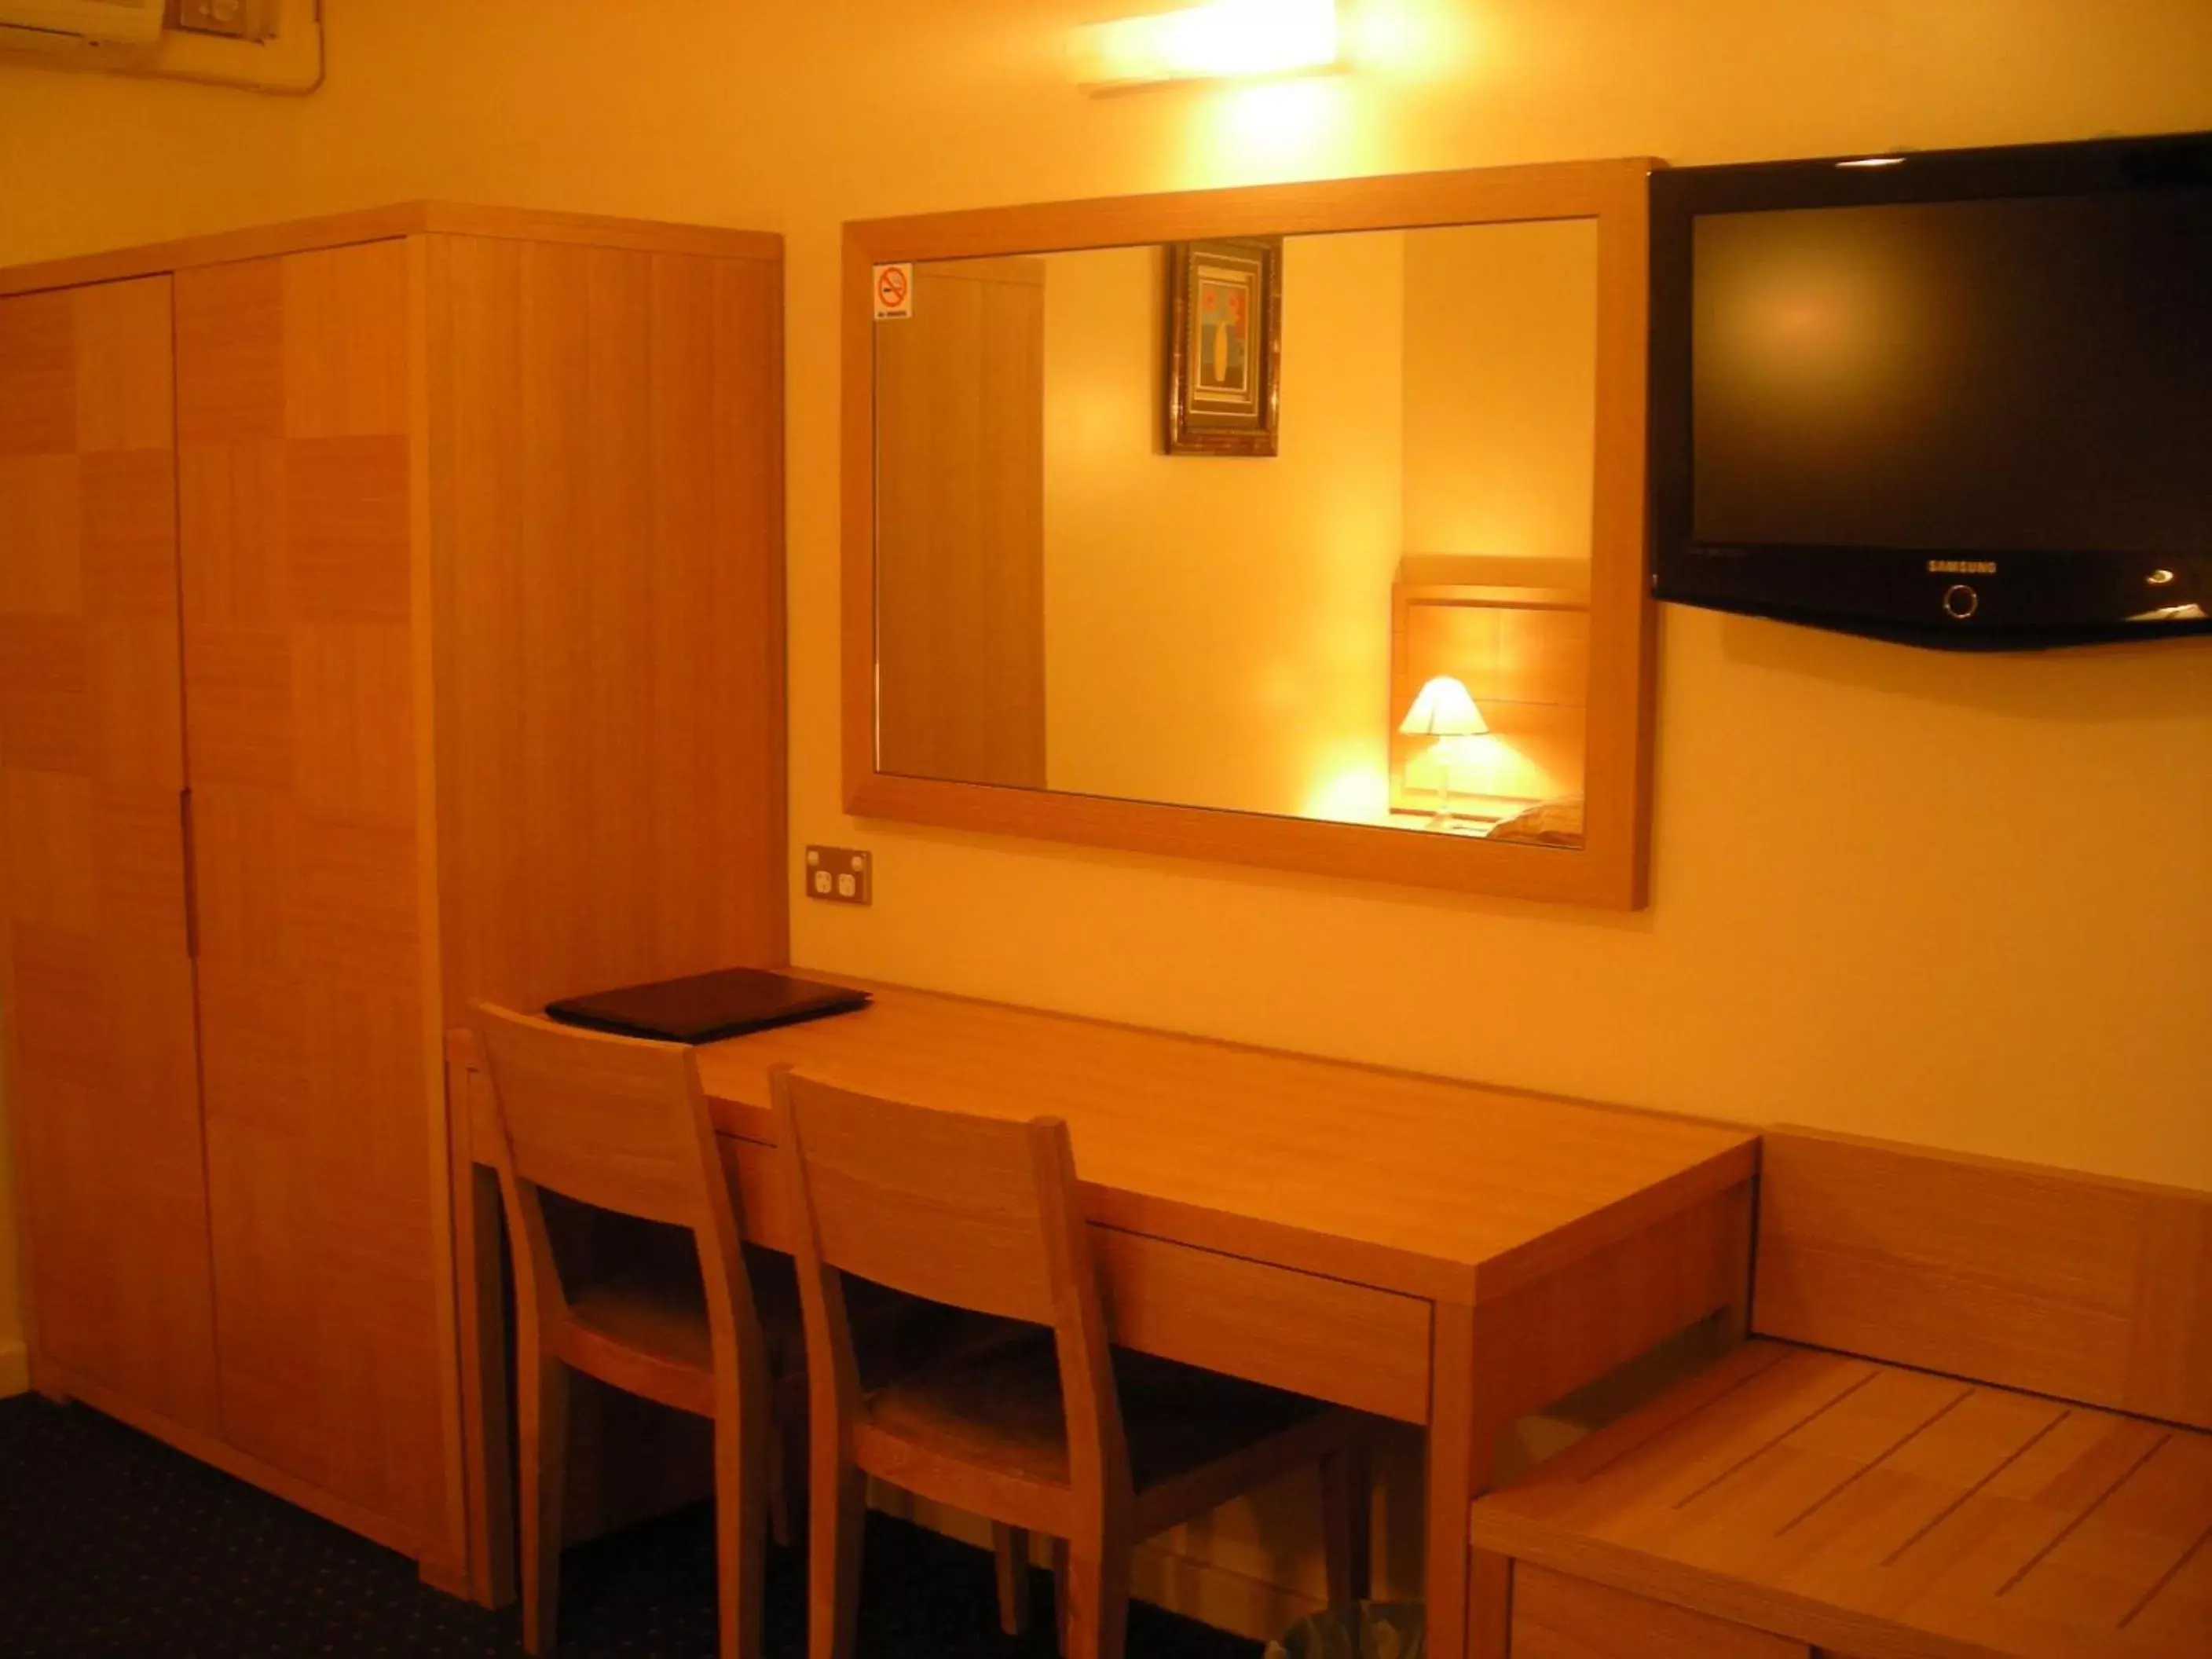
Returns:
(112,1544)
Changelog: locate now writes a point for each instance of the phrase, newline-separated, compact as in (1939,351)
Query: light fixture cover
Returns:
(1442,709)
(1221,39)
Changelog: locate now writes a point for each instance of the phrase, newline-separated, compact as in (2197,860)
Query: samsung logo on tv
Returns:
(1962,567)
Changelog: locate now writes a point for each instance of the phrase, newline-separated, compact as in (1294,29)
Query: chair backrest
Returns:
(936,1204)
(616,1122)
(2079,1287)
(620,1125)
(979,1212)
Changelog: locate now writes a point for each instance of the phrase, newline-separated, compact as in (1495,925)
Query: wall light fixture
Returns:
(1222,38)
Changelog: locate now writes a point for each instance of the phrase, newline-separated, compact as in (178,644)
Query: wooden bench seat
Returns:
(1873,1510)
(1886,1484)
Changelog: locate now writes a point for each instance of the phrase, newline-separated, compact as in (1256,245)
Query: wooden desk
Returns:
(1427,1250)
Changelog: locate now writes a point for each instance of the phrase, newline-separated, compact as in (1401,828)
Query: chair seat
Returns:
(1864,1507)
(651,1335)
(1000,1407)
(648,1338)
(650,1320)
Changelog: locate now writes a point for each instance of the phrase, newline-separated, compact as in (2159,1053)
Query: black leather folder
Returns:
(707,1007)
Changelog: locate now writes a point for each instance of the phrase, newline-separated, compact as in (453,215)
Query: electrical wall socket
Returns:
(840,875)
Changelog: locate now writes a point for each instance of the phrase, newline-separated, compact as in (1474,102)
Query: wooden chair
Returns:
(1050,1429)
(623,1126)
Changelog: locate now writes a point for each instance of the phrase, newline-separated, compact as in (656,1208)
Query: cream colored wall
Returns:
(1218,630)
(1965,900)
(1501,389)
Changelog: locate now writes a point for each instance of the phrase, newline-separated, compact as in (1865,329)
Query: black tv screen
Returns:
(1962,398)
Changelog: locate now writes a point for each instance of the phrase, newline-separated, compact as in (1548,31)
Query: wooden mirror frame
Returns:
(1608,870)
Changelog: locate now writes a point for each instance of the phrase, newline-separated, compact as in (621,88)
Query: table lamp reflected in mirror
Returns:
(1444,710)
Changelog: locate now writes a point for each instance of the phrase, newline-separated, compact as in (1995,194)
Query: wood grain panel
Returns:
(606,487)
(1573,1326)
(1557,1617)
(2090,1289)
(262,243)
(1871,1509)
(49,821)
(125,401)
(38,366)
(346,506)
(340,379)
(39,500)
(317,968)
(959,464)
(127,526)
(46,711)
(230,353)
(104,1088)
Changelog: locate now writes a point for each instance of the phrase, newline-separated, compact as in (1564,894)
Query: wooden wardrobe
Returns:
(390,614)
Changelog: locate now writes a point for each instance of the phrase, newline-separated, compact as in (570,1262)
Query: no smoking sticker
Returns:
(894,292)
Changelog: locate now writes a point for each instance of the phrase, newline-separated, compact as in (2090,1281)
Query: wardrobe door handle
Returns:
(191,873)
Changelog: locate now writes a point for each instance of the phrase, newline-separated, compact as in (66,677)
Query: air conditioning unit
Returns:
(68,24)
(269,45)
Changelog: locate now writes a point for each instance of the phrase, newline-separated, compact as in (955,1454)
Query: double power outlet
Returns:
(840,875)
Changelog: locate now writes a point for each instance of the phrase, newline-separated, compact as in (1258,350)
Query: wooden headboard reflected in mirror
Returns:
(1300,525)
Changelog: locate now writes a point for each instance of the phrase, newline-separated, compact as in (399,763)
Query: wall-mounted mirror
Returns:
(1300,525)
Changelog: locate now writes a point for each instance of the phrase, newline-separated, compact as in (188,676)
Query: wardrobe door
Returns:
(105,1089)
(960,461)
(324,1102)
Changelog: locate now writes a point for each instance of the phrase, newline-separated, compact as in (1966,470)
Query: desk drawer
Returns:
(1359,1346)
(1351,1343)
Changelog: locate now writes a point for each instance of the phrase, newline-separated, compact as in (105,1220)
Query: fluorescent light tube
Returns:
(1226,38)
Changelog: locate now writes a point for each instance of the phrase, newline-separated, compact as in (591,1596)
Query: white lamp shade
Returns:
(1443,709)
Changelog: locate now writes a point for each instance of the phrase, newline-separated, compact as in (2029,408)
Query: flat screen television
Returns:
(1959,399)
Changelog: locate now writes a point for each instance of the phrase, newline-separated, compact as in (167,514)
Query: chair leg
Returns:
(1059,1594)
(779,1487)
(1489,1605)
(837,1505)
(1011,1546)
(542,1437)
(1346,1510)
(1097,1599)
(739,1456)
(789,1426)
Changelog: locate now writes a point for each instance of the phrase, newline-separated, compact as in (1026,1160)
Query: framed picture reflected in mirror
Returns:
(1224,314)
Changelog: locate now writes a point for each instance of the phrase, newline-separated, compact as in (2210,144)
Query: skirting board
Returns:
(15,1369)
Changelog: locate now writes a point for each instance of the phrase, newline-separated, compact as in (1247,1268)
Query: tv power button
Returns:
(1960,601)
